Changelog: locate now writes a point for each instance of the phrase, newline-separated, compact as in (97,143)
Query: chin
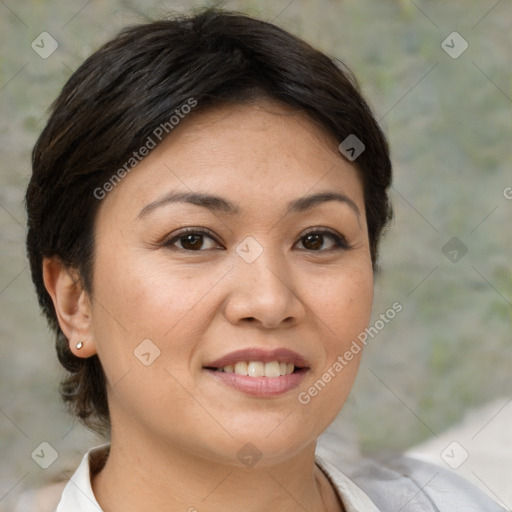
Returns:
(265,442)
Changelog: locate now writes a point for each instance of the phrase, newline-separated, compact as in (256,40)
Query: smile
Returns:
(259,368)
(259,372)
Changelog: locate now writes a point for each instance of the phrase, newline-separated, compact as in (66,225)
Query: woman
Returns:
(204,217)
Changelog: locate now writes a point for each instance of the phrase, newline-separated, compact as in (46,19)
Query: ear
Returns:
(72,306)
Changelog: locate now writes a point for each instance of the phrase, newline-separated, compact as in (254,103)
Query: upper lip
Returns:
(257,354)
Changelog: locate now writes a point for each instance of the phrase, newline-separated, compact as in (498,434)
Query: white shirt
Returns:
(79,497)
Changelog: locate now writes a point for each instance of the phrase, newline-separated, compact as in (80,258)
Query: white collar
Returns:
(79,497)
(352,497)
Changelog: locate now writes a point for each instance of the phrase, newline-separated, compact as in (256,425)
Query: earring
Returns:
(79,345)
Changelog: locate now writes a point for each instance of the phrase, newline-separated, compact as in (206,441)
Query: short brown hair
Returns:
(132,84)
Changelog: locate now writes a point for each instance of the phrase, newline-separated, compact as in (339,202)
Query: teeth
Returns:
(259,369)
(272,369)
(241,368)
(256,369)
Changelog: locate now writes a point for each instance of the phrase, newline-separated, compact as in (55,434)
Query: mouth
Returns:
(271,369)
(258,372)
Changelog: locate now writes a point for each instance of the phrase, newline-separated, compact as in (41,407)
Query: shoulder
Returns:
(410,485)
(415,485)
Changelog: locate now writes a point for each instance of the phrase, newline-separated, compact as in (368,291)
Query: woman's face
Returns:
(264,276)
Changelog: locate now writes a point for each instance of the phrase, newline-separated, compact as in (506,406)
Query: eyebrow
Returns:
(219,204)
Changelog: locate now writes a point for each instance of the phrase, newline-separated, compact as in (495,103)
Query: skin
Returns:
(176,431)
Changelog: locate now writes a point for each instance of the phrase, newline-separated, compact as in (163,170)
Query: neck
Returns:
(147,476)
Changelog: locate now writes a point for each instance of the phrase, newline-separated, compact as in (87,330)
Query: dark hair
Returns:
(114,101)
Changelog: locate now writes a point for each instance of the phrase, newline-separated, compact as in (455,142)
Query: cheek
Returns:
(344,302)
(145,297)
(139,298)
(344,312)
(140,314)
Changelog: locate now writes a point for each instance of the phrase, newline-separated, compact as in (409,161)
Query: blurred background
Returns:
(438,76)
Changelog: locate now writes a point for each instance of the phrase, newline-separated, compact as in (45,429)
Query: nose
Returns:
(262,293)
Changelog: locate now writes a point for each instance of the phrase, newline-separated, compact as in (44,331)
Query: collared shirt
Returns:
(79,497)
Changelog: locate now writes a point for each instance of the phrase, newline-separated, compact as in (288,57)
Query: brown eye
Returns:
(191,240)
(314,241)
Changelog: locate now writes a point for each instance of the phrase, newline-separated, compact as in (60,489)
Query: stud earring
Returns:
(79,345)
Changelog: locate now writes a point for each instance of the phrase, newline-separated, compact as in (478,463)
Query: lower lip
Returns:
(260,386)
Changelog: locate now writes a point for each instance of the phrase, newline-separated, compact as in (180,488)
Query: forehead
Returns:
(250,153)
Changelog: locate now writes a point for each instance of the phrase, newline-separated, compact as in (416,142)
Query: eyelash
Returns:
(340,243)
